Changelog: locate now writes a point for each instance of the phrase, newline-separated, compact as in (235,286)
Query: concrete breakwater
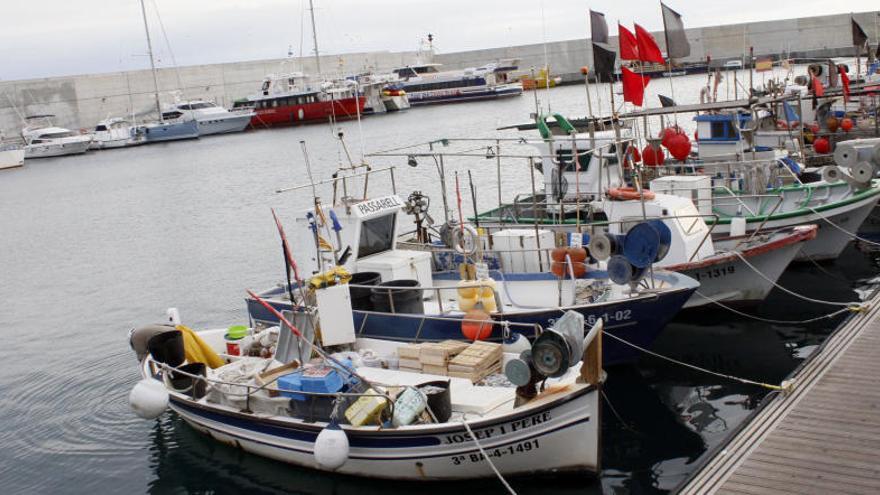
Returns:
(82,100)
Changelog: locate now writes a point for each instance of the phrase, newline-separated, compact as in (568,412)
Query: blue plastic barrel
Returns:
(641,245)
(620,270)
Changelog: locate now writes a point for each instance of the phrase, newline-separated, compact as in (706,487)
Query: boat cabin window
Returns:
(101,128)
(563,159)
(265,87)
(721,129)
(377,235)
(200,105)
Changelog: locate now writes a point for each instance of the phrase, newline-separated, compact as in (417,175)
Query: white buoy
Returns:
(331,446)
(148,398)
(516,344)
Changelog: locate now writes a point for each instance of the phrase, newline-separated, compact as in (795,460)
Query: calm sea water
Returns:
(94,245)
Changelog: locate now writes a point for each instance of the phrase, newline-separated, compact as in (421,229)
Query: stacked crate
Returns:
(478,361)
(431,358)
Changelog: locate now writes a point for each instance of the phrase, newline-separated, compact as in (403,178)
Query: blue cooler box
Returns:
(289,383)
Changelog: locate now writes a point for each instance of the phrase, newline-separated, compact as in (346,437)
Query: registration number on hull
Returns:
(715,272)
(518,448)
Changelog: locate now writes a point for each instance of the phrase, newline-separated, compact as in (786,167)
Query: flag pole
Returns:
(669,65)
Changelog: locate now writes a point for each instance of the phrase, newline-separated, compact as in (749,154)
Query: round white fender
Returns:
(331,446)
(148,398)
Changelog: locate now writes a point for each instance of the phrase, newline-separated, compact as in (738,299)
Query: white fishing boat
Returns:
(116,133)
(210,117)
(382,93)
(43,140)
(343,413)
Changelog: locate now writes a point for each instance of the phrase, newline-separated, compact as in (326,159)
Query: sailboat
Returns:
(164,130)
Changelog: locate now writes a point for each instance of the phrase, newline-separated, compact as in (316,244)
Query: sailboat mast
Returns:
(152,62)
(314,37)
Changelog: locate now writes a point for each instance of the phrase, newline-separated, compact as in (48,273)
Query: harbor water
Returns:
(93,245)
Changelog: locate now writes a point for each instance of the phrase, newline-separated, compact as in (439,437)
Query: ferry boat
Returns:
(289,99)
(426,83)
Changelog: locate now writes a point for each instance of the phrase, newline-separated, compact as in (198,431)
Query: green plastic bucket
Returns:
(236,332)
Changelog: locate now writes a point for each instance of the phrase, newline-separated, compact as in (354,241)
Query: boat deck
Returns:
(821,436)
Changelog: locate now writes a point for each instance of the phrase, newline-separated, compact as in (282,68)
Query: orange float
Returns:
(628,193)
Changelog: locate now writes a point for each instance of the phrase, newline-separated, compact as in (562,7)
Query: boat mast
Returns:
(152,62)
(314,37)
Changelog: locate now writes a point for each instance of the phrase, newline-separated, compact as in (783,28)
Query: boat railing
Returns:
(252,389)
(350,174)
(535,328)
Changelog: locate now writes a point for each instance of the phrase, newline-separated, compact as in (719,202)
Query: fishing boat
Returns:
(44,140)
(342,413)
(740,269)
(400,296)
(382,93)
(210,118)
(116,133)
(542,81)
(761,193)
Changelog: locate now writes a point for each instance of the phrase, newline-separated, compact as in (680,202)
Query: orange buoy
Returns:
(628,193)
(476,325)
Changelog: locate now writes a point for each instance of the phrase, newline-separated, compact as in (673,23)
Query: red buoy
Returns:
(814,128)
(669,133)
(636,156)
(679,147)
(479,329)
(846,124)
(822,146)
(653,157)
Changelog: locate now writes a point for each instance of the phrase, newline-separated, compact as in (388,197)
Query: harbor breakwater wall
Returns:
(81,101)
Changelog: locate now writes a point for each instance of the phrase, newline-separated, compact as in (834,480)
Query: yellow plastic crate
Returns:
(366,410)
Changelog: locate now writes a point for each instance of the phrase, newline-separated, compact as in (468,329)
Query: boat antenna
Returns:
(546,59)
(152,62)
(315,37)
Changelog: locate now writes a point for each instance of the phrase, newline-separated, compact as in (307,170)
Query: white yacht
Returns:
(45,140)
(117,133)
(210,117)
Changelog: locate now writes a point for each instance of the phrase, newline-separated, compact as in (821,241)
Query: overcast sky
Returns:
(62,37)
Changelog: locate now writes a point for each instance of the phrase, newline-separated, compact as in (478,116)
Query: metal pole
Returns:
(314,37)
(498,172)
(152,62)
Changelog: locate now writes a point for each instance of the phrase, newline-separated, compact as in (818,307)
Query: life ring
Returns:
(627,193)
(464,239)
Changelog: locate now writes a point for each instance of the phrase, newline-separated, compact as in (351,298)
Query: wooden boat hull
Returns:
(556,433)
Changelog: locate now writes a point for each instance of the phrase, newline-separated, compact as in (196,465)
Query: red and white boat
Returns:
(290,99)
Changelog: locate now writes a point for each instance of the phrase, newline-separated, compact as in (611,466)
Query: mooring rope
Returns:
(838,227)
(784,386)
(488,459)
(780,322)
(795,294)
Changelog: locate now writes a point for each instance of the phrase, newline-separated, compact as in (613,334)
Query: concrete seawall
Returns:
(81,101)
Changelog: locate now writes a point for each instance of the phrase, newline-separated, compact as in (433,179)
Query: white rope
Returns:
(488,459)
(787,291)
(838,227)
(769,320)
(784,386)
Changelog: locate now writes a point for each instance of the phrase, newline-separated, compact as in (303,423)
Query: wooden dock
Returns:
(822,436)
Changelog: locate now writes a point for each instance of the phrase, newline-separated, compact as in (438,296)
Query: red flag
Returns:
(629,48)
(648,49)
(844,79)
(633,86)
(818,89)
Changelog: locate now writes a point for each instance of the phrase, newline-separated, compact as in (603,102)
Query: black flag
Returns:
(859,38)
(603,62)
(598,27)
(666,101)
(677,45)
